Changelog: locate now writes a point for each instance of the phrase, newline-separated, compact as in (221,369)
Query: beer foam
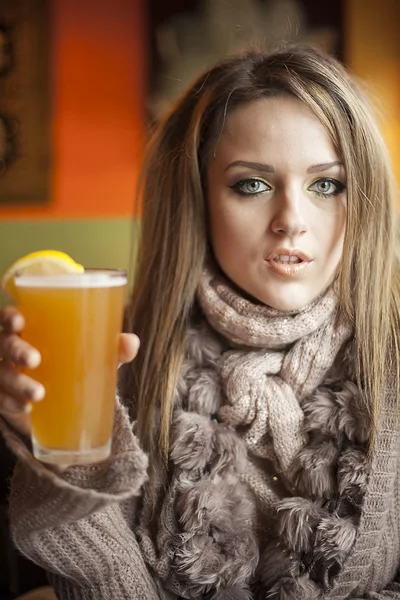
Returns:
(88,279)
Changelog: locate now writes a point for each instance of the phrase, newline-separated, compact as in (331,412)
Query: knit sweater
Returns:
(79,525)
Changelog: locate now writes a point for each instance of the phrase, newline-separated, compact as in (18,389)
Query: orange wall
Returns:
(373,53)
(98,82)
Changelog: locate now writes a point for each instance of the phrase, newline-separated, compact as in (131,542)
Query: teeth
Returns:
(283,258)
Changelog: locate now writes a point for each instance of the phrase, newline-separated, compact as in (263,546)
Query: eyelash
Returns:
(237,187)
(339,187)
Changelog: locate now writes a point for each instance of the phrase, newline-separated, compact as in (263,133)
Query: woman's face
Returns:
(277,202)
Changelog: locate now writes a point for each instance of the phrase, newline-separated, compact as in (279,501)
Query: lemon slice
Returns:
(44,262)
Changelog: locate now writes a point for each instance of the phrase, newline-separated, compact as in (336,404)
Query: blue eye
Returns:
(251,187)
(327,187)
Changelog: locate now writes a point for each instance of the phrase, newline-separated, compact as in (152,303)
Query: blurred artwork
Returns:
(24,101)
(190,43)
(5,50)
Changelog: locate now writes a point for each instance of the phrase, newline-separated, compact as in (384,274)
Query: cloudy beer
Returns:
(74,320)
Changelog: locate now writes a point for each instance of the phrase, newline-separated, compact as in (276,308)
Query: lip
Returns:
(289,269)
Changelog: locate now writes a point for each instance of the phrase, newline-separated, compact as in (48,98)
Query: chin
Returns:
(287,300)
(286,305)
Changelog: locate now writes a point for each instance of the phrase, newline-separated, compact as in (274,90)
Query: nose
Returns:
(289,216)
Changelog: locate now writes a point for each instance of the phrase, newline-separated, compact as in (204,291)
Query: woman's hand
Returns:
(17,390)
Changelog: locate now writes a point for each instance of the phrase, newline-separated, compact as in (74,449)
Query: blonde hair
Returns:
(174,231)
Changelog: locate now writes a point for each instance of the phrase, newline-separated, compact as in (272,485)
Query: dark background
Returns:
(319,14)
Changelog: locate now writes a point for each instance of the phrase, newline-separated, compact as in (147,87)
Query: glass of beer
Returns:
(74,320)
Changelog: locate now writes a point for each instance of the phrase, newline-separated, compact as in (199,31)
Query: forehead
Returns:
(274,126)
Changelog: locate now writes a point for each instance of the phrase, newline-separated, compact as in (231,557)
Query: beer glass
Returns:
(74,320)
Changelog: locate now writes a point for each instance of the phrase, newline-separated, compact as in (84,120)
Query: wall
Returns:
(98,75)
(373,53)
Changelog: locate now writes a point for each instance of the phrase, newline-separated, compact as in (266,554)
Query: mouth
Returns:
(288,262)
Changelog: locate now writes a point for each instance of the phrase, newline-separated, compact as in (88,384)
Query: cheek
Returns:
(222,225)
(218,221)
(331,235)
(231,224)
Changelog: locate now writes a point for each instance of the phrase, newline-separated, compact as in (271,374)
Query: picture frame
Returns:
(25,102)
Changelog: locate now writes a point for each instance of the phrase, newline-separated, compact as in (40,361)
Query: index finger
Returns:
(11,319)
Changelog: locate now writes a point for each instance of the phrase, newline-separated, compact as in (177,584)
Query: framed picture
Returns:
(25,96)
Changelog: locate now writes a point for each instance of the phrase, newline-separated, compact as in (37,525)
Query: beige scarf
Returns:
(252,390)
(265,388)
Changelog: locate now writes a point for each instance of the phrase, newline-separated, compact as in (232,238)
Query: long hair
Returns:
(174,225)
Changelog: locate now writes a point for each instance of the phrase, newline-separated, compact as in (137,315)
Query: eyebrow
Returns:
(252,165)
(270,169)
(324,166)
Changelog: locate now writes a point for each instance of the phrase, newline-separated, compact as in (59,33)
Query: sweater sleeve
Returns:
(391,592)
(77,524)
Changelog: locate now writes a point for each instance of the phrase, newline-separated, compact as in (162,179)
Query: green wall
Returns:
(107,243)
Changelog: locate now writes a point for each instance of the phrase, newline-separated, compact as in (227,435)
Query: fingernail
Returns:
(33,359)
(37,393)
(18,322)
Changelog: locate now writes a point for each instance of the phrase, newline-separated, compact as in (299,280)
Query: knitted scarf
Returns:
(268,464)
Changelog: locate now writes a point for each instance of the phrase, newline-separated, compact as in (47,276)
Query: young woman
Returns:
(264,456)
